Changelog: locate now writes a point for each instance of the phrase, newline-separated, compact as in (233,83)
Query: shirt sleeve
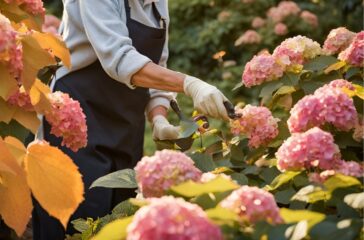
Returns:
(109,37)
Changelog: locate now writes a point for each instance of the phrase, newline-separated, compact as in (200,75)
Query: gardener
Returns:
(119,51)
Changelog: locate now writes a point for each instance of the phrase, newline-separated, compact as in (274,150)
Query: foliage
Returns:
(243,183)
(39,169)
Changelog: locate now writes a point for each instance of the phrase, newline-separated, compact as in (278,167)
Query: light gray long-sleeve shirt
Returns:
(96,29)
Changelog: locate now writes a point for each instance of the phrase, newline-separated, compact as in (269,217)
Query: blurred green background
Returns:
(203,33)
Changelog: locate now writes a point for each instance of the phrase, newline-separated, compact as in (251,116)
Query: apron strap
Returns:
(157,15)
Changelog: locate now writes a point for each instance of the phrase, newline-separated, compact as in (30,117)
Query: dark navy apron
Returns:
(115,120)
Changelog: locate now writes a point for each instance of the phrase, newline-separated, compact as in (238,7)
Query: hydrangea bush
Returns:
(291,166)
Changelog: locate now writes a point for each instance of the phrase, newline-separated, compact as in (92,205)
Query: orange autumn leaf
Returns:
(34,59)
(8,162)
(59,48)
(28,119)
(7,111)
(16,148)
(16,203)
(38,96)
(54,180)
(8,84)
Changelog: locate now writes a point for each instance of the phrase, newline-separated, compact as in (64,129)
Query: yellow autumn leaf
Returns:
(38,96)
(335,66)
(8,84)
(54,180)
(16,148)
(49,41)
(116,230)
(34,59)
(7,111)
(16,203)
(8,162)
(359,91)
(28,119)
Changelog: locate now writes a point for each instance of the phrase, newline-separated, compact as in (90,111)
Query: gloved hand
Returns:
(163,130)
(207,99)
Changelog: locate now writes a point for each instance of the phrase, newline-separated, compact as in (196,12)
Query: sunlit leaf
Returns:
(16,203)
(34,58)
(54,180)
(281,179)
(28,119)
(120,179)
(8,84)
(17,148)
(8,162)
(115,230)
(56,45)
(38,96)
(222,215)
(293,216)
(335,66)
(192,189)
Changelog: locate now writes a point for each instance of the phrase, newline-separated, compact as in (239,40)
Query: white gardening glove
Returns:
(163,130)
(207,99)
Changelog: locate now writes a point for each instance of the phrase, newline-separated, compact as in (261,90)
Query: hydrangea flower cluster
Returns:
(309,18)
(350,168)
(21,99)
(171,218)
(338,40)
(293,52)
(51,24)
(354,54)
(358,134)
(249,37)
(253,204)
(34,7)
(166,168)
(260,69)
(67,120)
(283,10)
(10,51)
(280,29)
(329,104)
(258,22)
(314,148)
(257,123)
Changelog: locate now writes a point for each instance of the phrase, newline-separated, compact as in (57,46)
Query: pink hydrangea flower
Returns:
(34,7)
(294,52)
(314,148)
(341,83)
(283,10)
(171,218)
(67,120)
(21,99)
(253,204)
(10,51)
(51,24)
(166,168)
(358,134)
(260,69)
(320,177)
(280,29)
(249,37)
(338,40)
(257,123)
(305,114)
(258,22)
(338,108)
(309,18)
(350,168)
(354,54)
(329,104)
